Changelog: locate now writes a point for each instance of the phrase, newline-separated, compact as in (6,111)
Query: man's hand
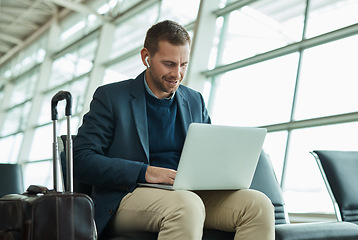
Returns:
(160,175)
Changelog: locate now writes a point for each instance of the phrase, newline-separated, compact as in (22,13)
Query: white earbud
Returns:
(146,60)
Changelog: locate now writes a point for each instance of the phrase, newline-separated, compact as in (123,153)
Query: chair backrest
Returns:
(265,181)
(340,172)
(78,186)
(11,179)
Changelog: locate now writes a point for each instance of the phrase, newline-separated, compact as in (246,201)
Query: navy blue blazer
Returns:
(112,143)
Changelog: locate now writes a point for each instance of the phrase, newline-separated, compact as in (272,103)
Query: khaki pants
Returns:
(184,214)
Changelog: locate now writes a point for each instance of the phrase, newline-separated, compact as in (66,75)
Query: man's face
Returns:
(167,68)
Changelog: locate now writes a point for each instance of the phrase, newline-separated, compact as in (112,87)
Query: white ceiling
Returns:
(19,19)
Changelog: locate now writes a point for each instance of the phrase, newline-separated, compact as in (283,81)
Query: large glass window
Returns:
(275,147)
(287,92)
(73,63)
(39,173)
(327,15)
(178,10)
(10,148)
(1,95)
(129,35)
(76,88)
(113,8)
(260,27)
(24,88)
(41,147)
(304,189)
(76,26)
(126,69)
(328,84)
(16,119)
(30,57)
(256,95)
(16,116)
(5,70)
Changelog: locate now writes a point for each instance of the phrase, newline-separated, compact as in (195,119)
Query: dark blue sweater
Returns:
(166,137)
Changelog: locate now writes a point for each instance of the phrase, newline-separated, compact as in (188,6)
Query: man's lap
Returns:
(145,208)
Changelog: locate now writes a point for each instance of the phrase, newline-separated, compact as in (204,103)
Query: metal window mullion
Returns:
(302,45)
(223,34)
(135,10)
(232,7)
(298,73)
(313,122)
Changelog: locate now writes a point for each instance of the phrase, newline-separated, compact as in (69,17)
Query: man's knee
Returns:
(187,205)
(185,218)
(262,202)
(259,206)
(255,199)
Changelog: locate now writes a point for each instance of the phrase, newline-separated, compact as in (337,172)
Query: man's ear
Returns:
(145,56)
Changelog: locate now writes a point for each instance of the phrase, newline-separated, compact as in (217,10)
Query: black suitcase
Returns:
(42,214)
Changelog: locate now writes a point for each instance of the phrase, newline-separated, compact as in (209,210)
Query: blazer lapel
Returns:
(184,110)
(139,110)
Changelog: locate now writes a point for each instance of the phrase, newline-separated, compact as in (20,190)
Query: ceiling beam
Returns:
(18,10)
(7,17)
(10,39)
(78,7)
(15,28)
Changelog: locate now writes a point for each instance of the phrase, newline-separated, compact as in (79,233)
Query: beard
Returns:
(166,84)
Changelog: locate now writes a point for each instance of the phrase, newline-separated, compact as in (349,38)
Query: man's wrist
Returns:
(141,176)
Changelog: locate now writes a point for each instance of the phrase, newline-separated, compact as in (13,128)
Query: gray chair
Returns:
(339,170)
(11,180)
(265,181)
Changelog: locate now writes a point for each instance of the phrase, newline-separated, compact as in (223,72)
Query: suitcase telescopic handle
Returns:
(61,95)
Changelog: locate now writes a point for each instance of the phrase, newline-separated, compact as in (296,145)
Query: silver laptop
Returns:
(216,157)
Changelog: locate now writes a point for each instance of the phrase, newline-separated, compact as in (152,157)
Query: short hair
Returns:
(167,30)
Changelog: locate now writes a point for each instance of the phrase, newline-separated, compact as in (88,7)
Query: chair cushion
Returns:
(317,231)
